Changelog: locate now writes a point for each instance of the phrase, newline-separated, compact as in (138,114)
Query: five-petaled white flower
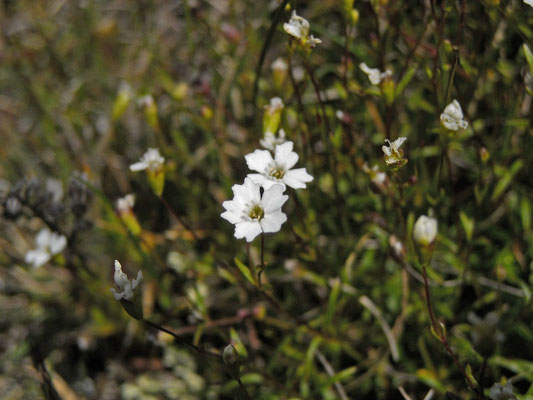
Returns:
(270,141)
(126,203)
(452,117)
(375,76)
(150,160)
(425,230)
(277,169)
(125,285)
(393,153)
(298,27)
(48,245)
(253,213)
(502,392)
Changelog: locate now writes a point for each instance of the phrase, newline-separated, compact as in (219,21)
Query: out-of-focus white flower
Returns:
(393,153)
(499,392)
(146,101)
(298,28)
(375,76)
(270,141)
(276,105)
(452,117)
(126,203)
(529,2)
(125,285)
(376,176)
(252,213)
(279,64)
(425,230)
(48,245)
(277,169)
(55,188)
(150,160)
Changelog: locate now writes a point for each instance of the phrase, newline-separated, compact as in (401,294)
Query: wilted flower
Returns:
(499,392)
(126,286)
(48,245)
(270,141)
(252,213)
(277,169)
(452,117)
(150,160)
(298,27)
(375,76)
(425,230)
(393,154)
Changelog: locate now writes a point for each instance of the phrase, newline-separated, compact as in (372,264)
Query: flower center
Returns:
(276,172)
(256,213)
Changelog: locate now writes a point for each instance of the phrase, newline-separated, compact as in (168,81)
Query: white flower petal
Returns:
(273,198)
(398,142)
(258,160)
(248,230)
(265,181)
(272,222)
(43,238)
(57,243)
(138,166)
(296,178)
(37,258)
(231,216)
(283,152)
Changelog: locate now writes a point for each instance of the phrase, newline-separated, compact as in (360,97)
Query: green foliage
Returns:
(335,304)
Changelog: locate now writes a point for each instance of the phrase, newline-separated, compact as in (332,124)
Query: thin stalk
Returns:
(262,260)
(179,340)
(175,214)
(243,389)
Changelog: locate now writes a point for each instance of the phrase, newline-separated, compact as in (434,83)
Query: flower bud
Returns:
(231,360)
(425,231)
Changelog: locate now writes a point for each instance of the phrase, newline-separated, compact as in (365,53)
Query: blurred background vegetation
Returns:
(87,86)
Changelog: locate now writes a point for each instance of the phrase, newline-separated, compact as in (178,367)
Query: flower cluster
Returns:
(48,245)
(254,212)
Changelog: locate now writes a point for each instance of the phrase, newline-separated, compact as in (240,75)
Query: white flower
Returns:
(126,203)
(277,169)
(393,154)
(374,75)
(252,213)
(452,117)
(276,105)
(48,245)
(298,27)
(377,177)
(499,392)
(529,2)
(279,64)
(125,285)
(151,160)
(425,230)
(270,141)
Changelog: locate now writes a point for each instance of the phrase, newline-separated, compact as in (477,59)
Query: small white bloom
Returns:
(151,160)
(393,154)
(277,169)
(126,286)
(376,176)
(48,245)
(375,76)
(298,27)
(270,141)
(425,230)
(252,213)
(279,64)
(452,117)
(499,392)
(276,105)
(126,203)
